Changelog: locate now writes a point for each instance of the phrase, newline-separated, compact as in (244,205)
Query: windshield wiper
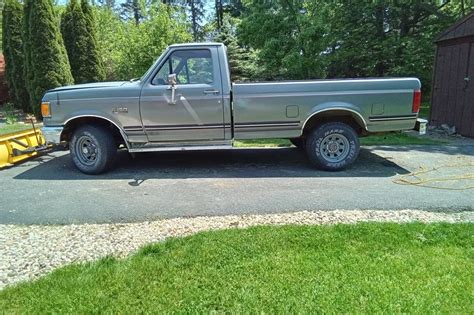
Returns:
(134,79)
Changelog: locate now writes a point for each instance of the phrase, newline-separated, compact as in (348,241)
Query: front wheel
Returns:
(333,146)
(93,149)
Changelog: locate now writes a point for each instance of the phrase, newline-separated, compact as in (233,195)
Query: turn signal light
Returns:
(45,110)
(416,101)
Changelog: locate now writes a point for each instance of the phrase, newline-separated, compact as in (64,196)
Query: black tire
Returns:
(333,146)
(298,142)
(93,149)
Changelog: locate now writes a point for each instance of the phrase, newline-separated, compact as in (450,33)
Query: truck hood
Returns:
(89,86)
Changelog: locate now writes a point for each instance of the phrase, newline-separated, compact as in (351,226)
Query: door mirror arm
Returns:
(172,82)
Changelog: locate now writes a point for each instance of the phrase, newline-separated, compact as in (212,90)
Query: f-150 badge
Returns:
(117,110)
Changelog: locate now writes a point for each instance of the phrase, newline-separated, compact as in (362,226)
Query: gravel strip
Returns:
(27,252)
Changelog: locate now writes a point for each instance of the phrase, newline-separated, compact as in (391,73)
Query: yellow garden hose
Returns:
(417,178)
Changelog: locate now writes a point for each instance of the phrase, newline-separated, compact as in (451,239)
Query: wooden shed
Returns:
(452,98)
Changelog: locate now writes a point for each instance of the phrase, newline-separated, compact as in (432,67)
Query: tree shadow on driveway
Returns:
(238,163)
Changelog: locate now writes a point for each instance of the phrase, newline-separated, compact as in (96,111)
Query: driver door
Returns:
(196,112)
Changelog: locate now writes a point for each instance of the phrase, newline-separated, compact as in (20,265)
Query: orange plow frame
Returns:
(19,146)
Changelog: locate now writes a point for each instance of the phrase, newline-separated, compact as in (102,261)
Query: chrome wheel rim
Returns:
(86,150)
(334,148)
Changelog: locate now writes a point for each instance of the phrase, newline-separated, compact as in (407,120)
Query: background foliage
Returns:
(266,40)
(14,54)
(78,30)
(47,64)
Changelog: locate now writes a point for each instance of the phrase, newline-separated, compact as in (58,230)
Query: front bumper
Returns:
(52,134)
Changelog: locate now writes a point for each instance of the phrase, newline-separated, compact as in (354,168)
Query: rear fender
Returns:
(340,107)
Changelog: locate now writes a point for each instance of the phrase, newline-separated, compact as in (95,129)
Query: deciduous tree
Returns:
(289,36)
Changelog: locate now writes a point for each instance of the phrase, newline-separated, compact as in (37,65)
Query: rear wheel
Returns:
(93,149)
(333,146)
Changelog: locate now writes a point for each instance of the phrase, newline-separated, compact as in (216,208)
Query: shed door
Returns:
(466,125)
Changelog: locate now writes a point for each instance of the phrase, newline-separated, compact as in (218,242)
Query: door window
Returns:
(190,67)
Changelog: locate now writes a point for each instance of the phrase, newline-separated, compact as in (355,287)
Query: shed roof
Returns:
(462,28)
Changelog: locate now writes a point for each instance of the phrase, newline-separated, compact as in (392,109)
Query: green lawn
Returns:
(263,143)
(397,138)
(363,268)
(14,128)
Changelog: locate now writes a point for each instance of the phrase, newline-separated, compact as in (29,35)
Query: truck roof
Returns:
(196,44)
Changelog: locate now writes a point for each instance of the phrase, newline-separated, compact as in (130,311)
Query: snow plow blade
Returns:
(19,146)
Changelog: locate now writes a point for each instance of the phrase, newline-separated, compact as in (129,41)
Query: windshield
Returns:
(155,64)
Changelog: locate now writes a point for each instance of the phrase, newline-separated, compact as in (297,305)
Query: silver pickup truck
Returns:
(186,101)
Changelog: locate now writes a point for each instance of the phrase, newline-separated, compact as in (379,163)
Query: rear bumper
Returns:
(52,134)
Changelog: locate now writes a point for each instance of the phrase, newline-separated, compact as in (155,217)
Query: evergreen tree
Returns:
(13,52)
(78,31)
(196,10)
(47,64)
(1,23)
(73,30)
(110,4)
(133,9)
(94,69)
(242,62)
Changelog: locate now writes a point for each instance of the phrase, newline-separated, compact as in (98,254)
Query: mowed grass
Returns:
(6,129)
(398,138)
(367,268)
(263,143)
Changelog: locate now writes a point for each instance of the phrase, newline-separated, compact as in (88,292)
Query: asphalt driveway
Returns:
(243,181)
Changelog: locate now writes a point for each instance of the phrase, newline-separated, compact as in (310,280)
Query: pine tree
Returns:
(78,31)
(1,23)
(242,62)
(94,69)
(13,52)
(110,4)
(196,10)
(73,28)
(47,64)
(133,9)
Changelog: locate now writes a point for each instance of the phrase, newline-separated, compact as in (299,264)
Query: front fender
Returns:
(92,113)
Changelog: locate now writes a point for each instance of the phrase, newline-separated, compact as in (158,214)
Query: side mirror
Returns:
(172,82)
(172,79)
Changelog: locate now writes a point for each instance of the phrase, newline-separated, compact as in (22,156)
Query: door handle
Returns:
(213,92)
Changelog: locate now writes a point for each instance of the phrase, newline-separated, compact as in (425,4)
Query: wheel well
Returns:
(73,124)
(344,116)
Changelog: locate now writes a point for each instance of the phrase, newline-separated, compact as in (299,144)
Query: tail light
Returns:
(416,101)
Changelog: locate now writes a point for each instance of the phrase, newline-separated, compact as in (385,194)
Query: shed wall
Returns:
(453,89)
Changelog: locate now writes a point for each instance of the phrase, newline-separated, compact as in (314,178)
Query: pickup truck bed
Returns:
(186,101)
(374,102)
